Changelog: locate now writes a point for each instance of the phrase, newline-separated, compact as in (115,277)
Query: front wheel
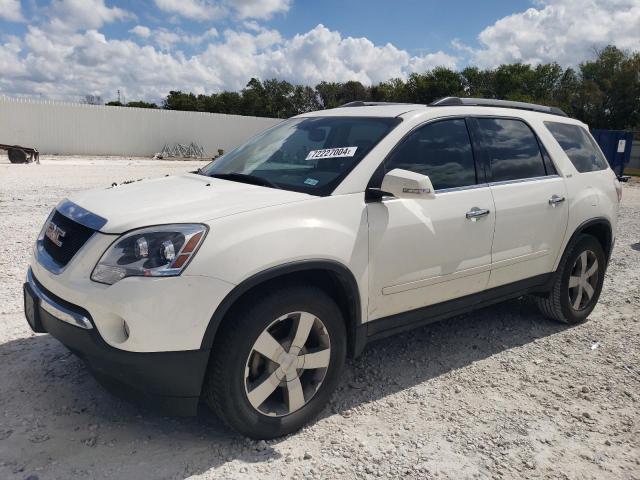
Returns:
(276,361)
(578,282)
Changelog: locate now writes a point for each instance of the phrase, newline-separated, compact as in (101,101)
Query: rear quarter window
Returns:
(579,146)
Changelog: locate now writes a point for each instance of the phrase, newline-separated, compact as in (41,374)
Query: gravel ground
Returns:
(499,393)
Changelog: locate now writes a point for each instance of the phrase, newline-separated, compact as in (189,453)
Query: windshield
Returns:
(309,155)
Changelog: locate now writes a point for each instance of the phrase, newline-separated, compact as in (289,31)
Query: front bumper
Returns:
(161,314)
(171,381)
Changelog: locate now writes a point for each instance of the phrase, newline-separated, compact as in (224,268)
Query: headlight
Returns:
(161,251)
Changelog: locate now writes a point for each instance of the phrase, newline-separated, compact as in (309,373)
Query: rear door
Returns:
(529,197)
(429,250)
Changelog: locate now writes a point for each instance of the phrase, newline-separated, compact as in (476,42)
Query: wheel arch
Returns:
(600,228)
(332,276)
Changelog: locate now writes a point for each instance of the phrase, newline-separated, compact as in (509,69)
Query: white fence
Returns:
(79,129)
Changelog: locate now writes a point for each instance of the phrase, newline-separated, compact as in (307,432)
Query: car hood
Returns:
(187,198)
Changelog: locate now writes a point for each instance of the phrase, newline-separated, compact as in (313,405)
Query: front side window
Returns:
(512,149)
(441,150)
(309,155)
(578,145)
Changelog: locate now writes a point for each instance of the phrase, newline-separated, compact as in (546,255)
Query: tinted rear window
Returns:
(512,149)
(578,145)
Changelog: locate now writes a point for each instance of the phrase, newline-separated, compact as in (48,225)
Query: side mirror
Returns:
(406,184)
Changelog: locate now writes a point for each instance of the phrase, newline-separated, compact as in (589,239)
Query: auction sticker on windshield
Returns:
(332,153)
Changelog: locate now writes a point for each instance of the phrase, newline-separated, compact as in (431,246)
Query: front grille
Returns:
(75,237)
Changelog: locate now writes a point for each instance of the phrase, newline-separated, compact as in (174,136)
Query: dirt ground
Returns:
(499,393)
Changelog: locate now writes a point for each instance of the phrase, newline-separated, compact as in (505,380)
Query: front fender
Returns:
(329,230)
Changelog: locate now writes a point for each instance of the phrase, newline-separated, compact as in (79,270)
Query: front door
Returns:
(426,251)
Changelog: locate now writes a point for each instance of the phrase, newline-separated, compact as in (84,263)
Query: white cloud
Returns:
(10,10)
(320,54)
(198,39)
(141,31)
(73,64)
(89,63)
(84,14)
(168,39)
(563,31)
(202,10)
(194,9)
(260,8)
(432,60)
(11,64)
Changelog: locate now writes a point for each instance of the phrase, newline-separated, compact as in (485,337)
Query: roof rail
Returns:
(360,103)
(489,102)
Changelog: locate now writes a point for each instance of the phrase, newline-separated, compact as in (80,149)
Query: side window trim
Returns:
(483,173)
(523,180)
(480,174)
(485,159)
(546,155)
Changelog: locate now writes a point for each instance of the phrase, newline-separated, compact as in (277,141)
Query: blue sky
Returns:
(413,25)
(65,49)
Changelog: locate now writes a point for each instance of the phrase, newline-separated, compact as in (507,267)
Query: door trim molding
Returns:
(425,282)
(520,258)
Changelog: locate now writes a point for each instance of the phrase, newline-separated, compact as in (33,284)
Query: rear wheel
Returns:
(578,282)
(276,361)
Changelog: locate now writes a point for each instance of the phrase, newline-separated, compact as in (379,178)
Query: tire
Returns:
(236,362)
(17,155)
(561,302)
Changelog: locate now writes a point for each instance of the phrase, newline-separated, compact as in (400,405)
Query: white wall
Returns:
(79,129)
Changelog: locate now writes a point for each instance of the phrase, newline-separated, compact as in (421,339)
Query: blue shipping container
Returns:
(616,146)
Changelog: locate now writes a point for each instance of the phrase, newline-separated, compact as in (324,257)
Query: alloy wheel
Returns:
(583,280)
(287,364)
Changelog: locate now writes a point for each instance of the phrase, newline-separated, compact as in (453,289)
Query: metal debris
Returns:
(193,150)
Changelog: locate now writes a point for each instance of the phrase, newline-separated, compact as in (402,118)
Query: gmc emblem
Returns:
(55,233)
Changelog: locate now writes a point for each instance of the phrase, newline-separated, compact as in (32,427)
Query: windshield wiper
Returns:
(246,178)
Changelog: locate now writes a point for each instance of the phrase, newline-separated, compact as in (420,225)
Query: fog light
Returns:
(125,327)
(108,274)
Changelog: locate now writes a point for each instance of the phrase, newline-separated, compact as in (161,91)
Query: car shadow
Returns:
(54,411)
(414,358)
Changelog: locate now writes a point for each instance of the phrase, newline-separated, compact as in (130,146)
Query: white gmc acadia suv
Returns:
(247,283)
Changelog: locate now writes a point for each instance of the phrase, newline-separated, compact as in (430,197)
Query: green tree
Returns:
(141,104)
(304,99)
(478,83)
(176,100)
(611,89)
(429,86)
(329,94)
(393,90)
(352,91)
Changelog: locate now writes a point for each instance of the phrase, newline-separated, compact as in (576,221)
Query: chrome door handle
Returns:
(555,199)
(476,213)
